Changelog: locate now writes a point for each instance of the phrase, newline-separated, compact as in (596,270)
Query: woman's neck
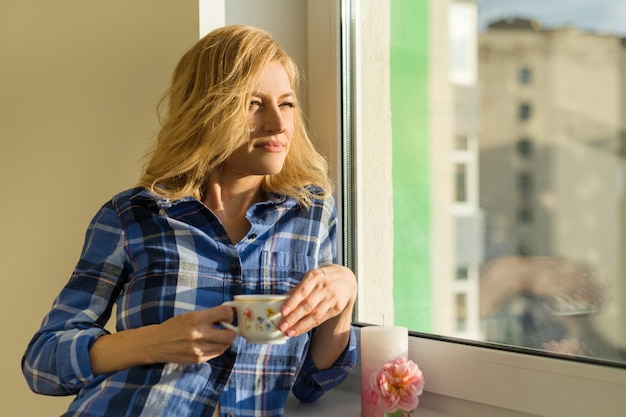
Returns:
(229,200)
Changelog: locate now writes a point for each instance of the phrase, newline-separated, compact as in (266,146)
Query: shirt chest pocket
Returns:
(281,271)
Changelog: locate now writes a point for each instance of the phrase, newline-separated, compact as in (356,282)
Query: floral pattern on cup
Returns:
(262,324)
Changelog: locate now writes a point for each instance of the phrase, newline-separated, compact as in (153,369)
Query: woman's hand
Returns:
(189,338)
(193,337)
(324,293)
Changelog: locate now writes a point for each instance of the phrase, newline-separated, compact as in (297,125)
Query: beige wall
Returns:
(79,81)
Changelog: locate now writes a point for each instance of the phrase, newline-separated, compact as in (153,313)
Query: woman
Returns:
(234,199)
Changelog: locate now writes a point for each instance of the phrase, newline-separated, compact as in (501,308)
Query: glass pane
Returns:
(488,167)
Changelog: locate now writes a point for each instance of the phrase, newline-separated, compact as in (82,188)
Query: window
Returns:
(462,41)
(461,182)
(525,147)
(524,217)
(524,76)
(524,111)
(453,364)
(462,143)
(525,185)
(462,192)
(462,273)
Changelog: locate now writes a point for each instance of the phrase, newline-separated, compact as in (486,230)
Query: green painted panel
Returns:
(411,165)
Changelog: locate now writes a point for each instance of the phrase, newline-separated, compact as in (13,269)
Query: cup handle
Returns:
(228,325)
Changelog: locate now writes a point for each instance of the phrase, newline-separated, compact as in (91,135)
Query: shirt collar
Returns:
(143,194)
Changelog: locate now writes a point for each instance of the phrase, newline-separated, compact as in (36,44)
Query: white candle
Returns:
(379,344)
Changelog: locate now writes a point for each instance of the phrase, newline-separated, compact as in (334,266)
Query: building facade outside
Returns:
(551,177)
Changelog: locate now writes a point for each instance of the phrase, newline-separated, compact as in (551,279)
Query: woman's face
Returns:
(271,114)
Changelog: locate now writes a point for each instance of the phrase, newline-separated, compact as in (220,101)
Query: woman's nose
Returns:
(273,120)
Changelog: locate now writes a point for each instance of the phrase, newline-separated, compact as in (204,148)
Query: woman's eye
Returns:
(257,104)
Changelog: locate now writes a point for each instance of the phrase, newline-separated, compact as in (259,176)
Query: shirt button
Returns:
(252,236)
(230,415)
(233,267)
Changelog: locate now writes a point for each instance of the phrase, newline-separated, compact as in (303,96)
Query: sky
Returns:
(601,16)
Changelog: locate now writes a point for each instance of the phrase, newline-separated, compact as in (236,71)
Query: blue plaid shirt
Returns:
(156,259)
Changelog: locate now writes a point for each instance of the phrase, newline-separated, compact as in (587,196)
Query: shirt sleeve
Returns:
(312,383)
(56,361)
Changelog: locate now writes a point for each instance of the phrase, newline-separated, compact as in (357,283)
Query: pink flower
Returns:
(398,385)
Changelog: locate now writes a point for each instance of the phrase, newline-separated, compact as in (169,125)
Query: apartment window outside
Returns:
(462,142)
(524,216)
(525,185)
(462,273)
(461,182)
(524,112)
(525,147)
(462,43)
(524,76)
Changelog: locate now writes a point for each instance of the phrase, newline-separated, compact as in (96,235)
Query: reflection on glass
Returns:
(506,174)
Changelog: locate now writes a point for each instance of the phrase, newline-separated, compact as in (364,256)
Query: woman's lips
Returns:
(271,146)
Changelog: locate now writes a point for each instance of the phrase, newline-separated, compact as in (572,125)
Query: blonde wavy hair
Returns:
(204,119)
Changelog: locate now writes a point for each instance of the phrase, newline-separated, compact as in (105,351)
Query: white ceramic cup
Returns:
(258,316)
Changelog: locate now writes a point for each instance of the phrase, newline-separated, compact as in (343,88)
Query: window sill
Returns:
(463,381)
(340,402)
